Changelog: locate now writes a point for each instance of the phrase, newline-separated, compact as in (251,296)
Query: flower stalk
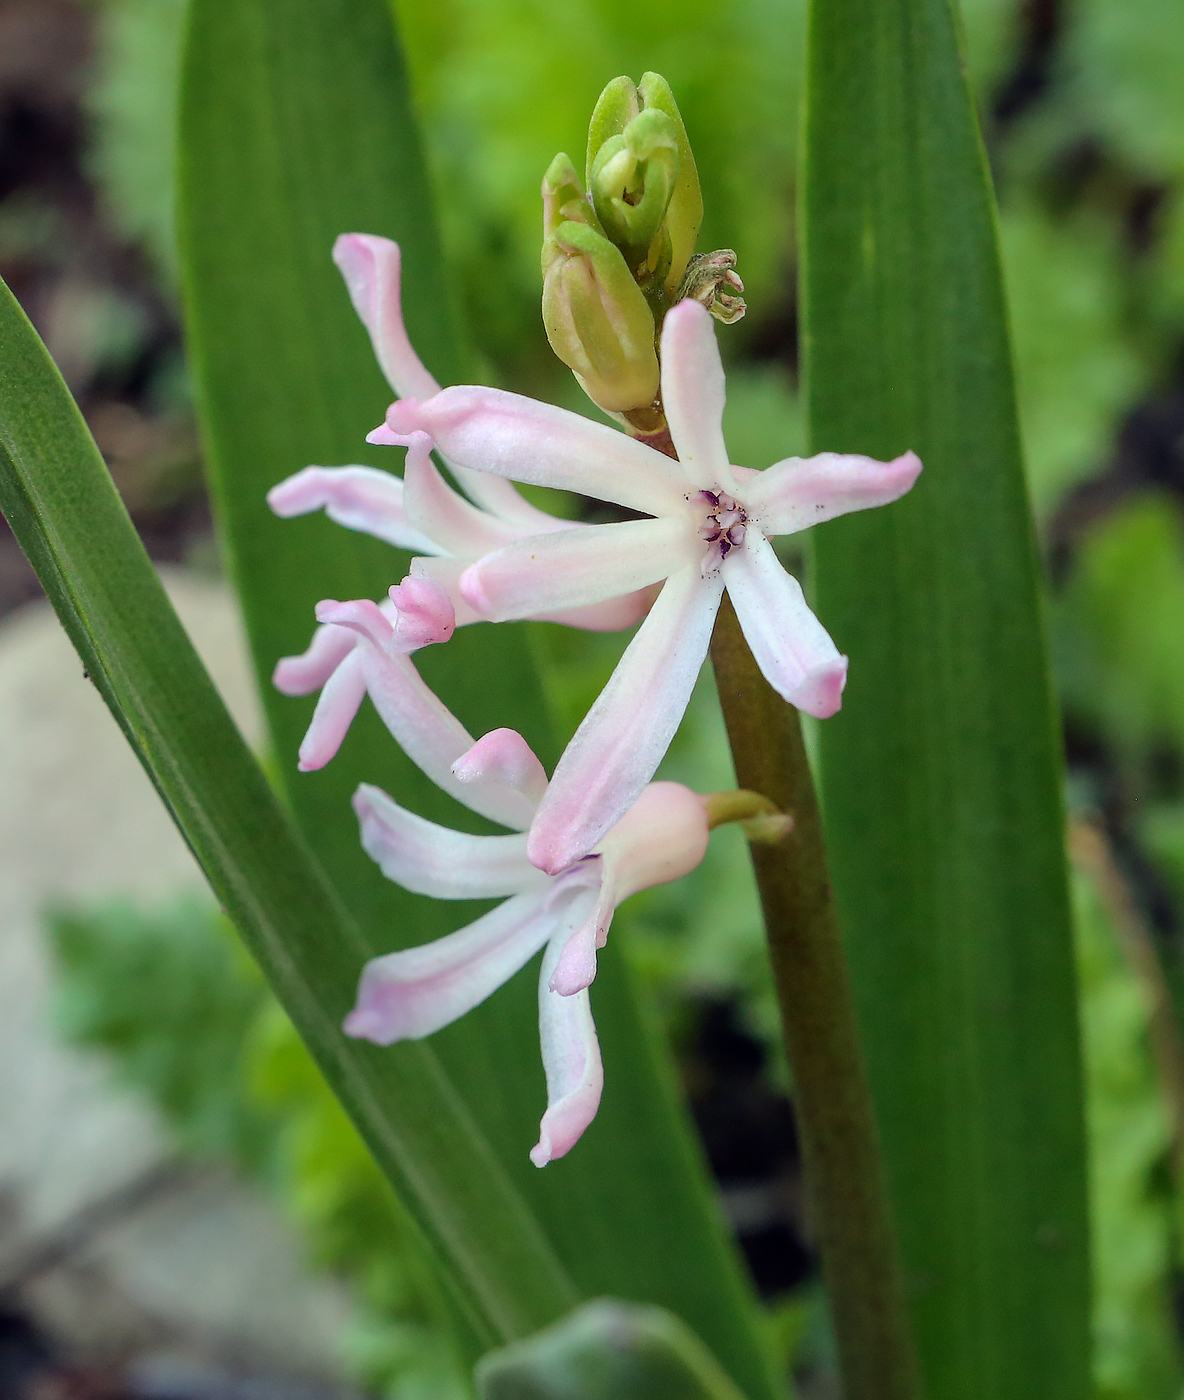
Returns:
(832,1098)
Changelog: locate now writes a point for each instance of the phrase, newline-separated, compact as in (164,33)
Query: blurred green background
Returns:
(1083,112)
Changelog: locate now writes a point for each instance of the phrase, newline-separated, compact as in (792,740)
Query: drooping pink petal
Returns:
(360,498)
(457,526)
(790,645)
(409,994)
(693,393)
(571,1059)
(504,756)
(338,703)
(575,568)
(800,492)
(434,860)
(613,615)
(301,675)
(623,737)
(371,268)
(372,272)
(424,615)
(575,965)
(433,738)
(516,437)
(360,615)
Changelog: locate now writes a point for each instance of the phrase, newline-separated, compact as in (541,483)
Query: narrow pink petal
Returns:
(693,394)
(433,738)
(443,515)
(360,615)
(571,1059)
(409,994)
(790,645)
(360,498)
(493,431)
(371,268)
(504,756)
(574,568)
(662,837)
(800,492)
(301,675)
(575,966)
(424,615)
(434,860)
(627,731)
(338,703)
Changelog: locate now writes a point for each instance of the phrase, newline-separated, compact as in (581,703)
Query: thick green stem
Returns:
(836,1122)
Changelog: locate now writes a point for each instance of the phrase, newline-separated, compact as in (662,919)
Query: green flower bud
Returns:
(597,319)
(685,211)
(564,200)
(633,179)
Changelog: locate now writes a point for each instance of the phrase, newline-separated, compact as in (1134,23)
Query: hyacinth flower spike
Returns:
(708,527)
(421,512)
(414,992)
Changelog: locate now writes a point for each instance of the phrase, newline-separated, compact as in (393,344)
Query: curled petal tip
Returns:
(540,1154)
(362,1023)
(424,613)
(383,436)
(821,692)
(471,590)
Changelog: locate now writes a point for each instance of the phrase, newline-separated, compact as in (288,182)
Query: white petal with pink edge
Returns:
(575,568)
(693,393)
(790,645)
(337,705)
(800,492)
(512,436)
(571,1059)
(360,498)
(409,994)
(441,514)
(504,756)
(623,737)
(301,675)
(436,861)
(433,738)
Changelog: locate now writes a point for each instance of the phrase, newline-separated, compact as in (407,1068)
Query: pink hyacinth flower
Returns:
(708,527)
(420,511)
(412,993)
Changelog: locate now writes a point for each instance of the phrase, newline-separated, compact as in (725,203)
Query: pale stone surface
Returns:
(207,1264)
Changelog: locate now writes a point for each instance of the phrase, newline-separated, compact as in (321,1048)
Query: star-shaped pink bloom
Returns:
(421,511)
(412,993)
(708,527)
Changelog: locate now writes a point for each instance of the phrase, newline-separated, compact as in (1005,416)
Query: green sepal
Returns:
(564,200)
(597,319)
(607,1350)
(633,180)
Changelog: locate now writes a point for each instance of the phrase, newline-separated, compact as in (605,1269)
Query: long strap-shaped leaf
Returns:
(296,126)
(942,775)
(64,510)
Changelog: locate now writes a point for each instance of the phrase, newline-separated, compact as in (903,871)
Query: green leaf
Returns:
(607,1350)
(296,127)
(942,774)
(68,518)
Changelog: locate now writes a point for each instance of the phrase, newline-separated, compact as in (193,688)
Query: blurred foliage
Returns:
(1083,111)
(1136,1354)
(185,1019)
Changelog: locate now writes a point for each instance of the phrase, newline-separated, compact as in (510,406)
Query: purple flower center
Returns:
(724,525)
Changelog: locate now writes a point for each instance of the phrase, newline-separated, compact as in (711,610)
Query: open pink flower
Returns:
(708,527)
(421,511)
(411,993)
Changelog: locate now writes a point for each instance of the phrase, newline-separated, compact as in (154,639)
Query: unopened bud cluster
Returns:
(619,248)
